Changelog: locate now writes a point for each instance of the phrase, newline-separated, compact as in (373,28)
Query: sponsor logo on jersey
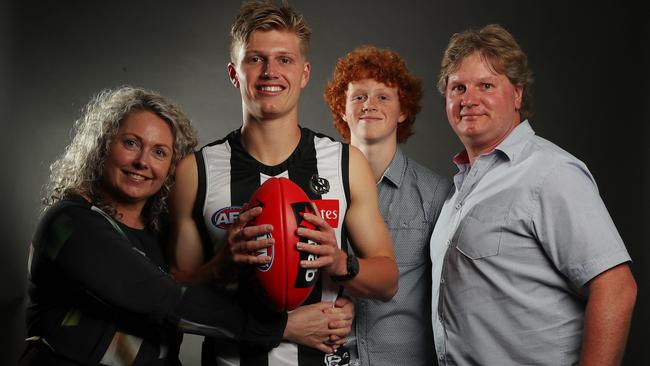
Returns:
(319,185)
(225,217)
(270,251)
(329,210)
(305,277)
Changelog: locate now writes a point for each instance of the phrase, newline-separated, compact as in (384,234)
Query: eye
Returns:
(488,86)
(358,98)
(254,59)
(457,89)
(285,60)
(160,153)
(384,97)
(131,143)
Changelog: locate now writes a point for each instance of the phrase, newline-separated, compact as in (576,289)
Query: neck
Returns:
(130,215)
(270,141)
(379,155)
(474,150)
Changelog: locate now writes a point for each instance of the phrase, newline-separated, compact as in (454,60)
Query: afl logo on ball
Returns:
(267,252)
(225,217)
(319,185)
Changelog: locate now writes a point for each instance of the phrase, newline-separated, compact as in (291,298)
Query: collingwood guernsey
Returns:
(228,176)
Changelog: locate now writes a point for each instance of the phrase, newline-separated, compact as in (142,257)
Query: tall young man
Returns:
(269,66)
(374,100)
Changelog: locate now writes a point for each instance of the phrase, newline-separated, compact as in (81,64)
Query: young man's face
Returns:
(372,111)
(270,71)
(482,106)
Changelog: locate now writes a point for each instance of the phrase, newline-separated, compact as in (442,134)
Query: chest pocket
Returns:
(410,239)
(479,234)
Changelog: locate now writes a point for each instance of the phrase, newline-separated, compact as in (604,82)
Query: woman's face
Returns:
(139,159)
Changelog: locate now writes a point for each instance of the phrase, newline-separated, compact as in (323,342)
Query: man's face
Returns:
(270,71)
(482,106)
(372,111)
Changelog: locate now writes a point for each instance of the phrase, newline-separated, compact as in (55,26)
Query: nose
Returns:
(141,160)
(469,98)
(268,71)
(368,106)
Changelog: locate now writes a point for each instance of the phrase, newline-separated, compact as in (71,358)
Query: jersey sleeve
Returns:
(97,259)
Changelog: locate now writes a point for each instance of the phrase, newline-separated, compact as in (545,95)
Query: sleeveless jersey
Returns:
(228,176)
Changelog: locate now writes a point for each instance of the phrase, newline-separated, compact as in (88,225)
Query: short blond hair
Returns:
(266,16)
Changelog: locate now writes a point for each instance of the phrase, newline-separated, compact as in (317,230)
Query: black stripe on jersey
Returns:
(197,211)
(244,179)
(345,168)
(310,356)
(302,173)
(252,357)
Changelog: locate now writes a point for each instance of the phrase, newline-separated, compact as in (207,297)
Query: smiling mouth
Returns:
(136,176)
(270,88)
(373,118)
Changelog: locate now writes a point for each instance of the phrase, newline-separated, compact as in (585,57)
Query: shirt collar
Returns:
(511,146)
(396,169)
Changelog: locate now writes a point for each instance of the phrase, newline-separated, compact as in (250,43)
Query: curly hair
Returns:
(385,66)
(79,170)
(500,49)
(266,15)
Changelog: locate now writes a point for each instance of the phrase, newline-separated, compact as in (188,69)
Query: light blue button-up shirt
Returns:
(512,251)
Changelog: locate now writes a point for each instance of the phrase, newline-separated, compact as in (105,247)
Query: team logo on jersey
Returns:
(329,210)
(340,357)
(225,217)
(266,251)
(319,185)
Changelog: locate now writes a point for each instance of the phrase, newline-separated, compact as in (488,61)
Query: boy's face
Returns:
(372,111)
(270,71)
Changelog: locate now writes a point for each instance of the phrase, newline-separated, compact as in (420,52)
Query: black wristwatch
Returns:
(353,269)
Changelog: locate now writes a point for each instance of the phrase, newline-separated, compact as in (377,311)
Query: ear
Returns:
(232,73)
(306,71)
(344,117)
(401,118)
(519,95)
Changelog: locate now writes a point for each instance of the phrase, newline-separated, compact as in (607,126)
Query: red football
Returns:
(285,283)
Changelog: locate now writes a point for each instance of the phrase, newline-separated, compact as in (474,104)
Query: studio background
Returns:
(591,97)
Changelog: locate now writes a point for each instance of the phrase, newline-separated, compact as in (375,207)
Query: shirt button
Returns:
(442,281)
(442,357)
(458,206)
(449,242)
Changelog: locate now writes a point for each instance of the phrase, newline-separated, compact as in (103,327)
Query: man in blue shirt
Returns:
(528,266)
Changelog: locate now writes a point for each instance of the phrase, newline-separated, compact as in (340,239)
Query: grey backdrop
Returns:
(591,95)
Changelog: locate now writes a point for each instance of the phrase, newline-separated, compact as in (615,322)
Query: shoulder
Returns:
(426,179)
(554,164)
(66,218)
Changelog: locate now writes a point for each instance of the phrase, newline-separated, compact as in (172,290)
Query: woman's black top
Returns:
(100,294)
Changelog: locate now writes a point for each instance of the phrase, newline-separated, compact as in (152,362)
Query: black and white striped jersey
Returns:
(228,176)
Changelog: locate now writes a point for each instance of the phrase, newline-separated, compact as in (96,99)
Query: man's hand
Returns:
(244,241)
(323,325)
(344,308)
(331,259)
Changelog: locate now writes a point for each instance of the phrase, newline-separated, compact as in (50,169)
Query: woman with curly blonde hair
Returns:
(80,169)
(99,289)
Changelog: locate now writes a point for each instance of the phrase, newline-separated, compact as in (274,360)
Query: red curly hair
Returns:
(382,65)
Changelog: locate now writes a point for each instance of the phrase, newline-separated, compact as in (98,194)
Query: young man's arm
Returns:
(612,295)
(186,244)
(369,236)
